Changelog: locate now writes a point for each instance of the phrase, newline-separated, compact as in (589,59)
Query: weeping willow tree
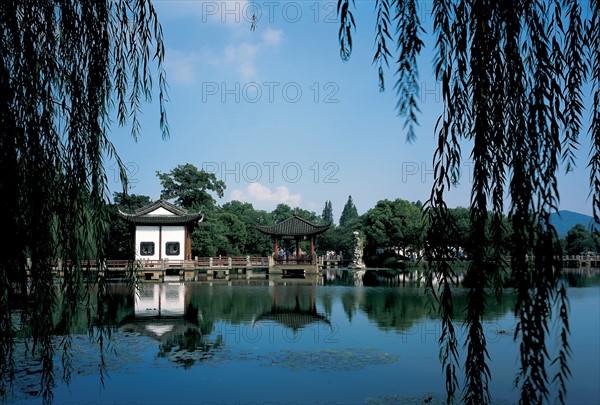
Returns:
(68,69)
(512,75)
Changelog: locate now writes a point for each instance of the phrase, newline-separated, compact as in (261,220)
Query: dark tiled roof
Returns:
(293,226)
(180,215)
(161,219)
(161,204)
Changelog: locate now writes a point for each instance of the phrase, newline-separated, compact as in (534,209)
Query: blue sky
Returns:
(278,116)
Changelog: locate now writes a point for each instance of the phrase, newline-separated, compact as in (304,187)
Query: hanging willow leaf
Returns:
(574,78)
(66,67)
(346,25)
(409,44)
(511,75)
(593,40)
(382,52)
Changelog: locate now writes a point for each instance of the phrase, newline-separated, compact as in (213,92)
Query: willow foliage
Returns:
(512,76)
(67,70)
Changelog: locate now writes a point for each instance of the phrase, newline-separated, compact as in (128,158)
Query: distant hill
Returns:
(568,219)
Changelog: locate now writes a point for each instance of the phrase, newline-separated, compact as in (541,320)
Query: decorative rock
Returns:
(357,262)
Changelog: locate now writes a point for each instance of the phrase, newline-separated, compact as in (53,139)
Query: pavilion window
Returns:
(172,248)
(147,248)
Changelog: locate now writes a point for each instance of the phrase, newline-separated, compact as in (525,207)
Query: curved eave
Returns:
(272,232)
(294,226)
(161,219)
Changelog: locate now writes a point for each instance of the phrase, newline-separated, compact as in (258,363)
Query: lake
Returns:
(276,340)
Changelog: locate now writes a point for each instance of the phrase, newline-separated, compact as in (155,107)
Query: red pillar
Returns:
(297,249)
(276,247)
(312,248)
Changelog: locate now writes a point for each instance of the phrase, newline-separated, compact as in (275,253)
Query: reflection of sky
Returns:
(243,374)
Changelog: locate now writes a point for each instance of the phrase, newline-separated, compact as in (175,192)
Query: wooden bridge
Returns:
(212,267)
(187,270)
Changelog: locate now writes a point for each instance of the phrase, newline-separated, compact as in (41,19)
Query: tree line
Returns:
(392,231)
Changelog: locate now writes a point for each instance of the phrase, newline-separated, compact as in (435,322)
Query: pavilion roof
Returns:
(178,215)
(294,226)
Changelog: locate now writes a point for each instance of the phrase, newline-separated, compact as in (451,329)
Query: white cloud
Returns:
(272,37)
(243,57)
(180,66)
(242,54)
(263,196)
(239,53)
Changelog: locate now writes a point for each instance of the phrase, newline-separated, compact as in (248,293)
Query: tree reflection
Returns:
(182,318)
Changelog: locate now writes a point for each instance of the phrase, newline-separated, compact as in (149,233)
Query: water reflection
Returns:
(291,303)
(160,300)
(294,304)
(582,277)
(164,310)
(380,277)
(193,325)
(294,307)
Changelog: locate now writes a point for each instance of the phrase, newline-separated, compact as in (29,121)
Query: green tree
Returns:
(327,241)
(120,242)
(344,237)
(235,233)
(327,214)
(281,213)
(394,224)
(512,76)
(209,239)
(230,230)
(349,212)
(68,69)
(310,216)
(341,238)
(460,235)
(256,243)
(191,188)
(579,240)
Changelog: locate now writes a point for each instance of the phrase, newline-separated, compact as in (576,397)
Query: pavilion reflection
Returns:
(161,310)
(294,307)
(165,310)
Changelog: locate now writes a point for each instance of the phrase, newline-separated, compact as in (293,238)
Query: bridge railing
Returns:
(199,262)
(293,260)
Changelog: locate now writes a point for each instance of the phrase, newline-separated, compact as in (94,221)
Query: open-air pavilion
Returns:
(298,229)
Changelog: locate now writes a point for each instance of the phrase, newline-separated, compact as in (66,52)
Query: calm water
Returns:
(297,341)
